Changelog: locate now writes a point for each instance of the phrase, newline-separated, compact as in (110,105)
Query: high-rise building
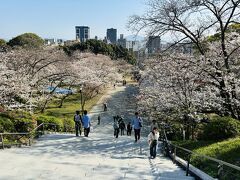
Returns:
(154,44)
(112,35)
(122,42)
(82,33)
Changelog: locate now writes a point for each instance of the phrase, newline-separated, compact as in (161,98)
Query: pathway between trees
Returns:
(99,156)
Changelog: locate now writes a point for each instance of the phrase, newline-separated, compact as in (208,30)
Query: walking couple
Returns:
(82,121)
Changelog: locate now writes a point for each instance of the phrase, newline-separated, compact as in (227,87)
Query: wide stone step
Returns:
(174,178)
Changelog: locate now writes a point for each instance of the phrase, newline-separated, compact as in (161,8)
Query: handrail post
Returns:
(29,141)
(55,128)
(2,141)
(140,149)
(174,156)
(188,162)
(43,128)
(220,169)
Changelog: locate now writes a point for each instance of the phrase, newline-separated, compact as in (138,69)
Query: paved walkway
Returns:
(100,156)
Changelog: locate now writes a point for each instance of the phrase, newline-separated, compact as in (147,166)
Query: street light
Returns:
(81,99)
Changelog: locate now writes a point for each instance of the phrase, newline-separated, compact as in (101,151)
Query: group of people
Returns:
(136,124)
(82,122)
(120,126)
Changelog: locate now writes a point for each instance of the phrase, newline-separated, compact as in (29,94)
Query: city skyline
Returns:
(58,18)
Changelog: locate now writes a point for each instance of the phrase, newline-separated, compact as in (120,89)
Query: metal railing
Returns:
(170,150)
(17,138)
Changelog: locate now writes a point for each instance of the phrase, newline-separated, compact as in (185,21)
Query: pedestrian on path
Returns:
(116,128)
(122,127)
(99,119)
(86,123)
(129,129)
(78,123)
(104,106)
(153,141)
(137,125)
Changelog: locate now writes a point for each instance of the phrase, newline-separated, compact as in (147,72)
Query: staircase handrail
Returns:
(29,134)
(173,155)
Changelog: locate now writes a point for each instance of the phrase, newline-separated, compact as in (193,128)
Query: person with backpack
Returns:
(137,125)
(129,129)
(116,128)
(153,141)
(86,123)
(122,127)
(78,123)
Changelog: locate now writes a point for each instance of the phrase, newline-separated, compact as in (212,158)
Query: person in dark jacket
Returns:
(122,127)
(116,128)
(129,129)
(78,123)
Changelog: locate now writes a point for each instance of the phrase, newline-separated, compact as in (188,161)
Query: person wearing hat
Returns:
(78,123)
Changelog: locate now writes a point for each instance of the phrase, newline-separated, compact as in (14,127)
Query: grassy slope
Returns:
(70,105)
(228,151)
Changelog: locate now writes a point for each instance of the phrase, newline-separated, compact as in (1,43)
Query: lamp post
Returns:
(81,99)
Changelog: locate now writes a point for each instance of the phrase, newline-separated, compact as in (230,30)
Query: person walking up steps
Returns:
(86,123)
(104,106)
(152,141)
(78,123)
(137,125)
(122,127)
(129,129)
(116,128)
(99,118)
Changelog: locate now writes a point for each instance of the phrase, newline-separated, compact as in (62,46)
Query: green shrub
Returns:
(221,128)
(27,40)
(227,150)
(175,132)
(50,119)
(99,47)
(68,125)
(23,121)
(3,42)
(6,125)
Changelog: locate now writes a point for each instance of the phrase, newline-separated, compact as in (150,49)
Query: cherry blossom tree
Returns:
(26,74)
(215,62)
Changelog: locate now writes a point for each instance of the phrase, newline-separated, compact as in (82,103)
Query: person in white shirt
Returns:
(153,141)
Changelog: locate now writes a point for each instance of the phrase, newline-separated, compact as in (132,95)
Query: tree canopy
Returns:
(207,81)
(2,42)
(100,47)
(27,40)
